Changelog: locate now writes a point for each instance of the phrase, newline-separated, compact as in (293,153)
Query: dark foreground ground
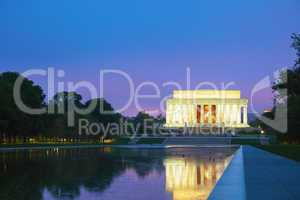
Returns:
(287,150)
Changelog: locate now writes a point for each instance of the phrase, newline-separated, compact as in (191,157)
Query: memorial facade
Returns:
(194,108)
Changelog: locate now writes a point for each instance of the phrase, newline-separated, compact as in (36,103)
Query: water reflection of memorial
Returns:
(190,178)
(52,174)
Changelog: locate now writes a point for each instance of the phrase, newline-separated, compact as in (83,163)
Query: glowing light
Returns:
(217,107)
(108,141)
(192,180)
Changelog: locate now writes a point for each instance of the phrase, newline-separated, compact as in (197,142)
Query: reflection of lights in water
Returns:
(107,149)
(190,179)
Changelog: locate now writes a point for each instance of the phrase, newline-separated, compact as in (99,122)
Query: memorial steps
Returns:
(199,141)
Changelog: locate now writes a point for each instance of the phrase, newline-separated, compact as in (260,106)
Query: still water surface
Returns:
(112,173)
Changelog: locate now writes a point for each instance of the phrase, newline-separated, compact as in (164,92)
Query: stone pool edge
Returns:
(142,146)
(231,185)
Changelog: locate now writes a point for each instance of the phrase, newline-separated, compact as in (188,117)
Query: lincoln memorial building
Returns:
(194,108)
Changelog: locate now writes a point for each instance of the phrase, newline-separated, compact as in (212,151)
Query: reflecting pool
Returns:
(112,173)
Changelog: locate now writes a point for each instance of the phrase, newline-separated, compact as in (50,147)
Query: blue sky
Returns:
(221,41)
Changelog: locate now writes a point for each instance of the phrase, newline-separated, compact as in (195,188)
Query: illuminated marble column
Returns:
(178,114)
(218,109)
(225,113)
(235,114)
(181,114)
(245,113)
(209,114)
(194,108)
(169,114)
(232,114)
(238,114)
(222,113)
(174,115)
(185,112)
(190,112)
(228,115)
(193,114)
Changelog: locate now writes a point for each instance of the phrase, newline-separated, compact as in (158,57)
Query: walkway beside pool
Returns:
(257,174)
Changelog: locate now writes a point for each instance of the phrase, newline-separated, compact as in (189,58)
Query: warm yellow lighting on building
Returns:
(194,108)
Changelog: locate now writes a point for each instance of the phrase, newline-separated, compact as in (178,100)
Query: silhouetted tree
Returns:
(102,113)
(13,122)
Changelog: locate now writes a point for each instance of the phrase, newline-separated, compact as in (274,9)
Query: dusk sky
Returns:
(220,41)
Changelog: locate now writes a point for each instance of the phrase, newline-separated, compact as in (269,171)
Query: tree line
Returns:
(18,126)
